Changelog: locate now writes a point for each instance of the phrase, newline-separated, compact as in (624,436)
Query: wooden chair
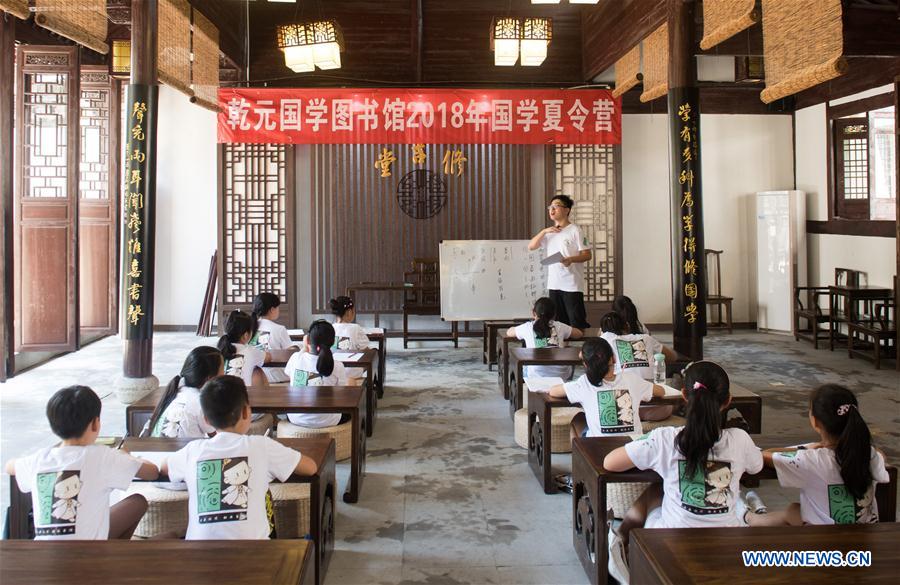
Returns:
(881,329)
(813,312)
(714,297)
(424,298)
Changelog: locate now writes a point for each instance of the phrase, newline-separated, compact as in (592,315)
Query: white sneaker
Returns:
(617,564)
(755,503)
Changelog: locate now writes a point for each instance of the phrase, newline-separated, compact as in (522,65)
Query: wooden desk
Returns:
(713,555)
(369,362)
(541,404)
(504,343)
(156,562)
(589,502)
(843,305)
(491,333)
(520,357)
(284,400)
(387,287)
(379,338)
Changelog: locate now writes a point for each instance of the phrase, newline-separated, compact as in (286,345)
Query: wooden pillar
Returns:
(897,204)
(139,193)
(688,266)
(7,80)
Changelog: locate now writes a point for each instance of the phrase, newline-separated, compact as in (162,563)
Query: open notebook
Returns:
(539,384)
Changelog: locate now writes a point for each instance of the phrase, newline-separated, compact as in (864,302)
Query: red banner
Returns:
(412,116)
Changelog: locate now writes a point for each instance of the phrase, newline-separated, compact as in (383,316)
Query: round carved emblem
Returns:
(422,194)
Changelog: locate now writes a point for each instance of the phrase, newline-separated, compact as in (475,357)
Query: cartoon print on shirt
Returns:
(552,341)
(633,354)
(261,340)
(616,411)
(844,509)
(235,366)
(708,491)
(58,502)
(342,344)
(222,489)
(169,425)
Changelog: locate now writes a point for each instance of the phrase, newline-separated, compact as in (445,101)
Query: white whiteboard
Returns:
(490,279)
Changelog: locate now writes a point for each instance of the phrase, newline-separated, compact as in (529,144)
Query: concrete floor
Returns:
(448,496)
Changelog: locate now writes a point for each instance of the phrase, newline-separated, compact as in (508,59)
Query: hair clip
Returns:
(699,385)
(844,409)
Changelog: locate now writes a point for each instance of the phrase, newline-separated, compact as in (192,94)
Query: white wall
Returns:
(875,256)
(741,155)
(186,207)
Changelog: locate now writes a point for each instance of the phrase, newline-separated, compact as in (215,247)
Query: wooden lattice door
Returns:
(256,227)
(46,198)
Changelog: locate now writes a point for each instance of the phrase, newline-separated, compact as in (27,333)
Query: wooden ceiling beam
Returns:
(611,28)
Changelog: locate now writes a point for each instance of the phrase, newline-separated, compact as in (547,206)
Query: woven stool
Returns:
(167,510)
(560,441)
(672,421)
(291,501)
(342,435)
(261,425)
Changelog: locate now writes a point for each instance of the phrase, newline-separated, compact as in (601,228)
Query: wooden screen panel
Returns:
(591,175)
(256,227)
(97,187)
(360,233)
(851,157)
(46,211)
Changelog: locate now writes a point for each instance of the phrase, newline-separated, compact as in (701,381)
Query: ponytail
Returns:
(340,306)
(707,387)
(837,410)
(321,338)
(629,313)
(237,325)
(612,322)
(201,364)
(596,354)
(544,310)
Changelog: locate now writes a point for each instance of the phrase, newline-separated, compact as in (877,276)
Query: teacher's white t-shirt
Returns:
(568,242)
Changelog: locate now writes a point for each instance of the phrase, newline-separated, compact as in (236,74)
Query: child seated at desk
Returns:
(837,475)
(634,351)
(269,334)
(315,366)
(228,475)
(241,359)
(542,331)
(178,413)
(626,309)
(71,483)
(701,465)
(349,335)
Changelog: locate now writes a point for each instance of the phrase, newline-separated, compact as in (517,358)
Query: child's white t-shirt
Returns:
(634,353)
(569,241)
(350,337)
(559,333)
(246,360)
(183,417)
(271,335)
(824,498)
(301,371)
(611,408)
(70,488)
(704,500)
(227,477)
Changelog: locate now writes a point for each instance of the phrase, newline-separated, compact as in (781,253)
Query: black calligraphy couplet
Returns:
(688,276)
(139,210)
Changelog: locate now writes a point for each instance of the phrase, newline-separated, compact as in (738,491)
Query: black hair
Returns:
(71,410)
(624,307)
(223,400)
(596,354)
(321,338)
(544,310)
(236,325)
(613,322)
(263,303)
(837,410)
(340,306)
(707,387)
(564,199)
(200,365)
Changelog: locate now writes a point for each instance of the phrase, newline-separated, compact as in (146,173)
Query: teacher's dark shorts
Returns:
(570,308)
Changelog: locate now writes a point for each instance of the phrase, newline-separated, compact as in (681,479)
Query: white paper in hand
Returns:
(552,259)
(671,391)
(154,457)
(538,384)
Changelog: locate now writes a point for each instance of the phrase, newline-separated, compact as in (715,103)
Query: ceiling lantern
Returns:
(536,35)
(310,45)
(505,41)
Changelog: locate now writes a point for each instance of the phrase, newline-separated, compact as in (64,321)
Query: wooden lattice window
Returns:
(851,156)
(256,235)
(589,174)
(45,138)
(93,178)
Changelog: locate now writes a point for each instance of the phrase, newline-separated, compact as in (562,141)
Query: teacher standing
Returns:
(566,277)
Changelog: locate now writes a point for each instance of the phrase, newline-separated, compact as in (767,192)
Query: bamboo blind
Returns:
(628,71)
(205,70)
(722,19)
(174,46)
(802,44)
(656,64)
(83,21)
(16,8)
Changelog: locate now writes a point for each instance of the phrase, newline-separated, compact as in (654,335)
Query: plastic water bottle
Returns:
(659,368)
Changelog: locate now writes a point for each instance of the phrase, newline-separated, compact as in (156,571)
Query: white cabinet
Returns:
(780,257)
